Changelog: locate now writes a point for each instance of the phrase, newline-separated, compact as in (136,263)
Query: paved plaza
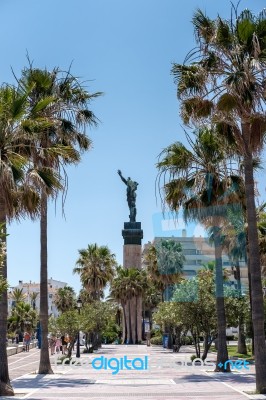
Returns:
(164,378)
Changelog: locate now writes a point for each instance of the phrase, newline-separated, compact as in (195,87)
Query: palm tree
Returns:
(235,242)
(164,261)
(65,299)
(126,288)
(17,295)
(16,196)
(58,116)
(22,317)
(118,293)
(203,183)
(223,80)
(95,266)
(33,298)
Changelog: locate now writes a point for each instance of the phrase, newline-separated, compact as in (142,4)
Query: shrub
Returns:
(62,358)
(89,350)
(187,340)
(157,340)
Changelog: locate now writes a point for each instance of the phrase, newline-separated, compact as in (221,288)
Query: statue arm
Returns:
(121,176)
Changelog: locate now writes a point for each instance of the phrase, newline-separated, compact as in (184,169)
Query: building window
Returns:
(189,252)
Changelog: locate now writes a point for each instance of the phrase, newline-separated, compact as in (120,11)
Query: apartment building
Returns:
(199,251)
(32,287)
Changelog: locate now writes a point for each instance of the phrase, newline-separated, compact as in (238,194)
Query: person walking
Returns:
(52,343)
(27,341)
(64,344)
(58,345)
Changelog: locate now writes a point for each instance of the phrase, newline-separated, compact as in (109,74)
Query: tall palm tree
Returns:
(95,266)
(223,80)
(58,116)
(204,184)
(16,196)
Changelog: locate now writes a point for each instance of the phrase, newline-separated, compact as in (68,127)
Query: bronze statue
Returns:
(131,196)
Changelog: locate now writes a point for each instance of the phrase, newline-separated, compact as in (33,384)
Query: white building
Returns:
(32,287)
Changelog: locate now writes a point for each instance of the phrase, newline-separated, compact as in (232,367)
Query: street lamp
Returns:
(79,305)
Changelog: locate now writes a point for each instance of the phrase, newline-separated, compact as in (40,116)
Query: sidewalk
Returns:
(18,348)
(163,380)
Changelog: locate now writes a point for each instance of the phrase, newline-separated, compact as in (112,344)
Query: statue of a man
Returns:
(131,196)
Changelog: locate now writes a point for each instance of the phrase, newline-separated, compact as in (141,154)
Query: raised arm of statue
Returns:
(121,176)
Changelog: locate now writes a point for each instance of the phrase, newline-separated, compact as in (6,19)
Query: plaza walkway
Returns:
(164,378)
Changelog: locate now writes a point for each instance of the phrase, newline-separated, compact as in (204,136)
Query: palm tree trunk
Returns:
(133,319)
(129,338)
(44,366)
(222,353)
(124,321)
(250,301)
(139,318)
(255,270)
(241,344)
(5,387)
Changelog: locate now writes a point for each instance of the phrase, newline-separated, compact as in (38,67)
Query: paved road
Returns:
(163,380)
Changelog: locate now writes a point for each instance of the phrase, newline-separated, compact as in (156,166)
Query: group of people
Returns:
(59,344)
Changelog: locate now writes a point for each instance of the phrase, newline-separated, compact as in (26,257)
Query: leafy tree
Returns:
(68,322)
(168,317)
(223,81)
(95,318)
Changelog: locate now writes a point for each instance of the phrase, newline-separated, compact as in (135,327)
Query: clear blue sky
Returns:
(125,49)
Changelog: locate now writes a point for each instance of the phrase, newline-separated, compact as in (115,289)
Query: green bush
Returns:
(193,357)
(187,340)
(62,358)
(157,340)
(89,350)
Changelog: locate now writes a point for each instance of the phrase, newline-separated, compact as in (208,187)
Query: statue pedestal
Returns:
(132,254)
(132,234)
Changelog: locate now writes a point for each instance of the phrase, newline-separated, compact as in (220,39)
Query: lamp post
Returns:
(79,305)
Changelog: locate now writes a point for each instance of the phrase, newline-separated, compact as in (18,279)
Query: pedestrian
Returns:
(52,343)
(27,341)
(58,345)
(17,338)
(64,344)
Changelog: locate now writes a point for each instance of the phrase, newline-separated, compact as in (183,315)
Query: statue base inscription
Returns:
(132,233)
